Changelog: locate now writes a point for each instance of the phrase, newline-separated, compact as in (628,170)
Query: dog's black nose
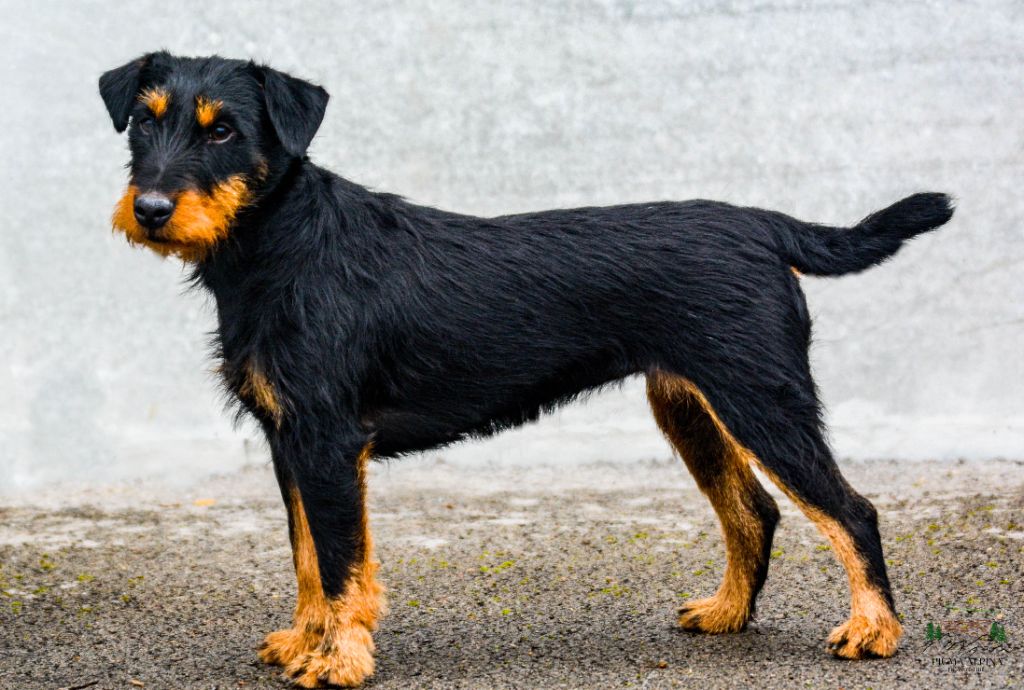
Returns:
(152,210)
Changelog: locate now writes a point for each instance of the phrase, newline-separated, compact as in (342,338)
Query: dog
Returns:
(354,325)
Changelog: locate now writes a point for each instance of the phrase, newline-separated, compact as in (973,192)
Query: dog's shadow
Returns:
(609,647)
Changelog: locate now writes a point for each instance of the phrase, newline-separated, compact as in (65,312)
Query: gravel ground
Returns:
(507,578)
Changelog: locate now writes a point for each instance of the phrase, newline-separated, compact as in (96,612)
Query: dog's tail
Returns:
(828,251)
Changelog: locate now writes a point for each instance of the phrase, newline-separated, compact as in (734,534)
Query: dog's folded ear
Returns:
(121,86)
(295,107)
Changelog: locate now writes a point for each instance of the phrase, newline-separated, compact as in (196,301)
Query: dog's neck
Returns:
(313,227)
(269,226)
(245,273)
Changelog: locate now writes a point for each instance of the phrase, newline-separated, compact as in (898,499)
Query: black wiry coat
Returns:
(416,327)
(377,323)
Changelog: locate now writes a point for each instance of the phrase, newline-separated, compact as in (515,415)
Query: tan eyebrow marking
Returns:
(207,110)
(156,100)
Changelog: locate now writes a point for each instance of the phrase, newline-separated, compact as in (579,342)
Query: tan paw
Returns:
(344,662)
(713,615)
(865,638)
(280,647)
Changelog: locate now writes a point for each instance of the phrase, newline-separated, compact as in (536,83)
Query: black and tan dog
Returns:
(355,324)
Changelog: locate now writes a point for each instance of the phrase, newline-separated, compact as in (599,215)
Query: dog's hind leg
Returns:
(778,422)
(339,598)
(850,523)
(747,512)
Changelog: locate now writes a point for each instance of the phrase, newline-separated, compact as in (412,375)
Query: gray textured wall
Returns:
(826,111)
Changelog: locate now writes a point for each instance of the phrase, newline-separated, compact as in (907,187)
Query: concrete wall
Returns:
(826,111)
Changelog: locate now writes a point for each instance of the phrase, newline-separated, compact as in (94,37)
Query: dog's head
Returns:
(208,137)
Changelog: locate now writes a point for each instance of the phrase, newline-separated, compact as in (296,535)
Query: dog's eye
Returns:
(220,133)
(145,124)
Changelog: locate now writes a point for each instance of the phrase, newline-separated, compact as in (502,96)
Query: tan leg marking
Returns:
(721,467)
(331,641)
(873,630)
(256,388)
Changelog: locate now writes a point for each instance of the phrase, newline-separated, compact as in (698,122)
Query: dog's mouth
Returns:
(199,222)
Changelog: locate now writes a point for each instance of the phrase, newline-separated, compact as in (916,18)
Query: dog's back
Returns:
(542,306)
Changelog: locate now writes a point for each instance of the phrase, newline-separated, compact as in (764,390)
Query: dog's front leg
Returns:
(339,599)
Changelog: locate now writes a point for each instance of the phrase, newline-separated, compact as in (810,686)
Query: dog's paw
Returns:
(865,638)
(713,615)
(344,661)
(281,647)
